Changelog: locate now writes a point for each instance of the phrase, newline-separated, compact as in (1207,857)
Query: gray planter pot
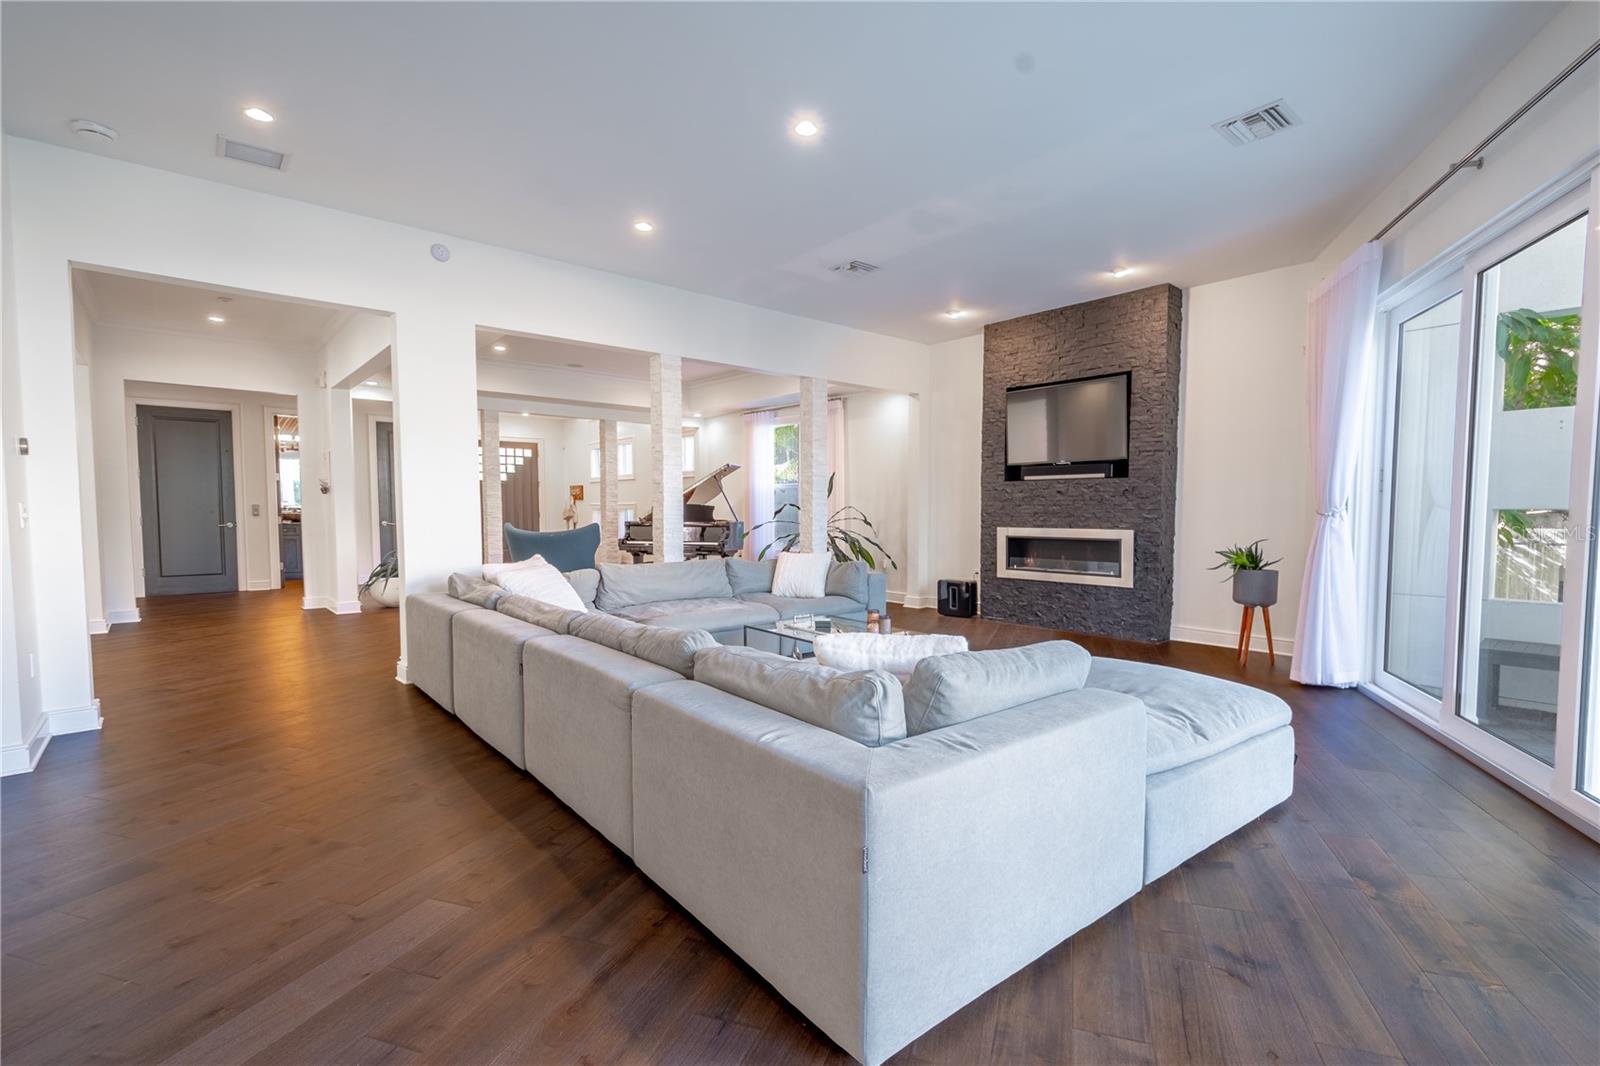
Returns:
(1255,588)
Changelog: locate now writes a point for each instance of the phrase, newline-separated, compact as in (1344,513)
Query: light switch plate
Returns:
(255,510)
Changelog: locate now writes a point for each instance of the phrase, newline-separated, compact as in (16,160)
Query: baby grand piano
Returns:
(703,534)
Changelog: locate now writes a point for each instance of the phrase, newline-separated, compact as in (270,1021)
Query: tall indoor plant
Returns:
(851,534)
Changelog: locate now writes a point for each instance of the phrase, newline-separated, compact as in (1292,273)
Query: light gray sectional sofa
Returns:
(882,854)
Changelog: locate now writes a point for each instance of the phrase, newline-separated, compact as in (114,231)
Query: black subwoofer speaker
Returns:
(958,599)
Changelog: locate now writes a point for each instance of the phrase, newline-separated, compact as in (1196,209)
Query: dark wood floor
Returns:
(275,853)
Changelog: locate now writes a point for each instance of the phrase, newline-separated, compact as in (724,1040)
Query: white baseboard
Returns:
(65,720)
(120,617)
(400,672)
(22,758)
(98,626)
(328,603)
(259,586)
(1223,638)
(908,600)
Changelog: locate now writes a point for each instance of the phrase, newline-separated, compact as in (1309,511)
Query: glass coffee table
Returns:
(793,637)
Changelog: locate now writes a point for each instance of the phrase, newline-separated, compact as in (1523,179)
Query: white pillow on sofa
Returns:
(802,574)
(537,580)
(895,653)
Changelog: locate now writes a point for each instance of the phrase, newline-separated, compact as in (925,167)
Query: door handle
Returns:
(385,522)
(224,525)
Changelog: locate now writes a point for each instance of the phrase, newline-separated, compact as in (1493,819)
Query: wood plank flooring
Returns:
(274,853)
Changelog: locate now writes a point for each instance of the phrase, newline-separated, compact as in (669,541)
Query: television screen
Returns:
(1082,421)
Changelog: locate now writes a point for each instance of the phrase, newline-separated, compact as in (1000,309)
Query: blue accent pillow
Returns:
(566,549)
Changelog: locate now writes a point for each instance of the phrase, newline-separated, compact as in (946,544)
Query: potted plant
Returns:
(383,584)
(1255,583)
(848,536)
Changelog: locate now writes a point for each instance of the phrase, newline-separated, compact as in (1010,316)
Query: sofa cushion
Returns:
(801,574)
(750,575)
(586,583)
(717,615)
(1192,716)
(564,549)
(536,579)
(601,628)
(849,579)
(866,706)
(673,647)
(622,585)
(897,653)
(789,606)
(556,619)
(475,590)
(947,689)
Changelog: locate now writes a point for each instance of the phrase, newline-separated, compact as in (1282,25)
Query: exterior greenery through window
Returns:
(1540,353)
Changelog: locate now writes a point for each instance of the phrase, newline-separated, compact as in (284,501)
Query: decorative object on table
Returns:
(383,584)
(1255,584)
(874,621)
(565,549)
(569,513)
(851,534)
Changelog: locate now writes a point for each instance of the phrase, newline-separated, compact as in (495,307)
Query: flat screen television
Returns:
(1068,429)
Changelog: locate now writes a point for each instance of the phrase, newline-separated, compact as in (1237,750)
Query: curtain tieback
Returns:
(1338,512)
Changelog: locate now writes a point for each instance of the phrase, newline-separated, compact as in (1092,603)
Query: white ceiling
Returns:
(999,156)
(125,300)
(586,358)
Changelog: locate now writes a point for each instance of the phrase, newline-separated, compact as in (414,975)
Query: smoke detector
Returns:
(92,131)
(227,148)
(1256,125)
(855,268)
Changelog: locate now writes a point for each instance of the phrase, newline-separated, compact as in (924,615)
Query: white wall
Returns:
(1244,453)
(138,365)
(954,407)
(366,520)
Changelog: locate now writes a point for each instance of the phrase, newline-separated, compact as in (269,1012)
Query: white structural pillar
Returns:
(493,513)
(607,506)
(341,474)
(436,432)
(813,465)
(666,455)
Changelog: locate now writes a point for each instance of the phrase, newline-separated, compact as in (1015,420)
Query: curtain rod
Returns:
(1474,158)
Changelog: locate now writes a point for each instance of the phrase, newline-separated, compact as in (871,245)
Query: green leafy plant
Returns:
(1244,557)
(1540,351)
(389,568)
(851,534)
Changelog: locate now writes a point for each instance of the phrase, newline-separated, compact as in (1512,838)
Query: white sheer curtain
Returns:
(837,456)
(1339,369)
(758,480)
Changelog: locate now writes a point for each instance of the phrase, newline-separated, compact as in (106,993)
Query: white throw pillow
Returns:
(896,653)
(801,574)
(537,580)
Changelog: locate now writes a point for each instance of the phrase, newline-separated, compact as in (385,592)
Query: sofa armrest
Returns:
(880,889)
(877,591)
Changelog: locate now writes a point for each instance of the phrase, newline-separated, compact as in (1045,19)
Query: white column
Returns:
(436,433)
(666,455)
(609,507)
(493,514)
(813,465)
(342,492)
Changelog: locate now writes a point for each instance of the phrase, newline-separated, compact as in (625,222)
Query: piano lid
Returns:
(709,487)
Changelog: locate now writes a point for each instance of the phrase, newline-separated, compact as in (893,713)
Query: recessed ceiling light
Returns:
(806,128)
(644,225)
(218,319)
(956,312)
(369,382)
(1120,272)
(525,414)
(499,347)
(259,114)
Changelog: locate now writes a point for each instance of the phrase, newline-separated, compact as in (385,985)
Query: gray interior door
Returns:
(186,496)
(385,489)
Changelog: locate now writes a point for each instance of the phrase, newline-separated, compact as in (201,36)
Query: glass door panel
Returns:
(1428,350)
(1523,413)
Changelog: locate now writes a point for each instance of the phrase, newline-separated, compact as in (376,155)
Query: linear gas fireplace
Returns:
(1075,556)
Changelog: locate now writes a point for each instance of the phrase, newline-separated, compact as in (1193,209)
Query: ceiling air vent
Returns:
(250,153)
(1257,125)
(855,267)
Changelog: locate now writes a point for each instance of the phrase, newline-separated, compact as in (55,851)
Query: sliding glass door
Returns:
(1487,604)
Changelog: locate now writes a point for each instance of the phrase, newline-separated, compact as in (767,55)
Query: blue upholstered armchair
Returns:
(566,549)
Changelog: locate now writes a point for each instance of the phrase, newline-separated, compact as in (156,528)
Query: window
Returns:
(512,457)
(625,514)
(785,481)
(624,459)
(691,438)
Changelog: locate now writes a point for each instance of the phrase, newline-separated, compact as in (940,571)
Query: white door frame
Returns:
(275,496)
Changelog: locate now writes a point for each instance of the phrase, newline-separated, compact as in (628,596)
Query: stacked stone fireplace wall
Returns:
(1138,332)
